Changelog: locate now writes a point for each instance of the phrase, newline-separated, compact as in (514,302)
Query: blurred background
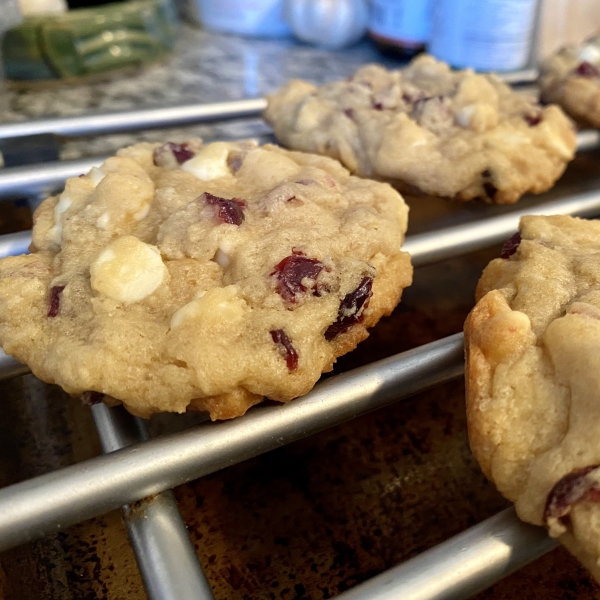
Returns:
(52,39)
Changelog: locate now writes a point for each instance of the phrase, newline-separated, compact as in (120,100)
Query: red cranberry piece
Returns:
(378,106)
(285,348)
(351,309)
(55,294)
(572,488)
(533,119)
(586,69)
(181,152)
(228,210)
(510,245)
(291,271)
(349,112)
(91,398)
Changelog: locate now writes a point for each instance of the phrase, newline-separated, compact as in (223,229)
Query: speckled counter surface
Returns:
(314,518)
(206,67)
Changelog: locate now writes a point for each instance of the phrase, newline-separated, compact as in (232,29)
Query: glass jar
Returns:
(486,35)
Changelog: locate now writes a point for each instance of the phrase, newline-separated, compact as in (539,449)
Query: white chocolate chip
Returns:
(590,53)
(221,258)
(559,145)
(96,175)
(103,220)
(128,270)
(210,162)
(463,115)
(216,306)
(62,206)
(142,213)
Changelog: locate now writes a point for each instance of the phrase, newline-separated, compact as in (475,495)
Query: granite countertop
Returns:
(205,67)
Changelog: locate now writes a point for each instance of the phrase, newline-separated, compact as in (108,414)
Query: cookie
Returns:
(571,78)
(448,133)
(191,276)
(533,378)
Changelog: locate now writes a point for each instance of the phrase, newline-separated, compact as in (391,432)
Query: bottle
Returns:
(486,35)
(400,28)
(262,18)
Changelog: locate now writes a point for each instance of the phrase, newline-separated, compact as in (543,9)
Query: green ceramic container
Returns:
(89,41)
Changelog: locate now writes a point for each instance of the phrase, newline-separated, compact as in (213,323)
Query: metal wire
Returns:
(134,120)
(442,244)
(166,116)
(461,566)
(164,553)
(48,178)
(40,505)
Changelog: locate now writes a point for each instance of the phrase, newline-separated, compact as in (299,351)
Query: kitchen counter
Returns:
(316,517)
(206,67)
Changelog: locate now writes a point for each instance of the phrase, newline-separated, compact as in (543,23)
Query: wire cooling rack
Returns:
(137,473)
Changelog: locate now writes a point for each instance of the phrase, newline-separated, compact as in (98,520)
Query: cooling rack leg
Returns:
(166,558)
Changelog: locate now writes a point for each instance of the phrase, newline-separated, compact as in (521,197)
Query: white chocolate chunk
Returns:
(463,115)
(210,162)
(62,206)
(559,145)
(216,306)
(128,270)
(142,213)
(96,175)
(103,220)
(221,258)
(590,53)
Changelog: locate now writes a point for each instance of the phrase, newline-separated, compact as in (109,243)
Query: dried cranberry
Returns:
(228,210)
(586,69)
(55,294)
(291,271)
(351,308)
(533,119)
(91,398)
(378,106)
(510,245)
(349,112)
(181,152)
(571,489)
(285,348)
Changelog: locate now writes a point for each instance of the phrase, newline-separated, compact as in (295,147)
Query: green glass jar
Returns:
(89,41)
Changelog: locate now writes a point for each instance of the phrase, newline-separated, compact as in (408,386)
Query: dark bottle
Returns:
(400,28)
